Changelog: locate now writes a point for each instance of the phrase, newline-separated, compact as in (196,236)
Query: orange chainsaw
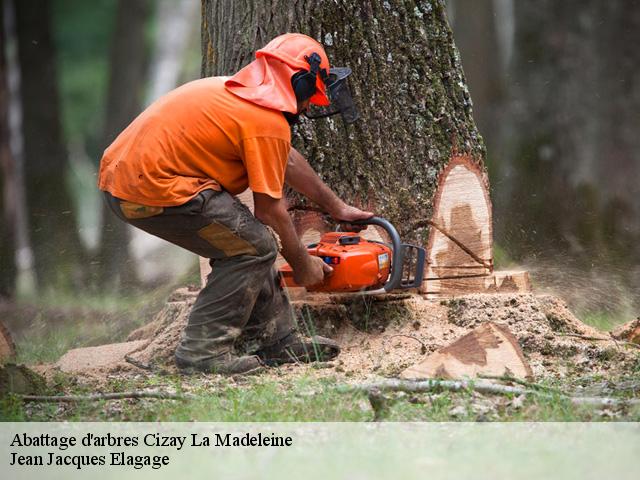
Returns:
(367,266)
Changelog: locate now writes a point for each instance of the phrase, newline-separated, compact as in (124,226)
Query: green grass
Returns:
(50,345)
(265,399)
(48,326)
(602,320)
(501,259)
(305,397)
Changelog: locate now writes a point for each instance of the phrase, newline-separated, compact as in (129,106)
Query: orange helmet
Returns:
(296,50)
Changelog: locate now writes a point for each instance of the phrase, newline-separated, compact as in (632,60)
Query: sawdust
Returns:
(384,336)
(104,357)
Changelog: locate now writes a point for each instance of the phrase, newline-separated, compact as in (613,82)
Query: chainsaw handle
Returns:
(395,280)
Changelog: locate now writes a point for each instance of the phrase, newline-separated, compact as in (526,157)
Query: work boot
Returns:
(295,349)
(226,364)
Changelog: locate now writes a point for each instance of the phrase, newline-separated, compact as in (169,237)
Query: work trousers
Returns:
(243,305)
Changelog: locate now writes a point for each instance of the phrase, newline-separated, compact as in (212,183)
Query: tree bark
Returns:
(56,245)
(407,81)
(124,101)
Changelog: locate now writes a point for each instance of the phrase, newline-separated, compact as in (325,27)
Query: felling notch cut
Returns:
(460,246)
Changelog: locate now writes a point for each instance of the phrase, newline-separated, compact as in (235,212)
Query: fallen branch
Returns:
(524,383)
(104,396)
(486,387)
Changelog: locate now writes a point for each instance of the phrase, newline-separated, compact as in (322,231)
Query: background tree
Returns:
(56,246)
(124,102)
(7,179)
(561,133)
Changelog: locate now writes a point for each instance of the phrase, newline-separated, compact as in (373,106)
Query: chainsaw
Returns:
(366,266)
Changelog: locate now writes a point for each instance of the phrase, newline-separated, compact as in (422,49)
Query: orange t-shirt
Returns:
(193,138)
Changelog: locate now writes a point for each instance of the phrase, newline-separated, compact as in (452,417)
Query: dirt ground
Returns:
(381,336)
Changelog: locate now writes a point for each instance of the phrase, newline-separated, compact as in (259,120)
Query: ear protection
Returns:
(304,83)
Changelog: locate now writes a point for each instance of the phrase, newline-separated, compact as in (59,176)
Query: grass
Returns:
(304,398)
(310,395)
(48,326)
(602,320)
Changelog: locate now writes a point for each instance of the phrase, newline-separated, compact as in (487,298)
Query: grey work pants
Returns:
(243,298)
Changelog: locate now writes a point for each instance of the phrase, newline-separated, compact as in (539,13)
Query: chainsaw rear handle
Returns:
(395,280)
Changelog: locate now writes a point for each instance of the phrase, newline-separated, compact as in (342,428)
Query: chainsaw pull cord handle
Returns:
(397,259)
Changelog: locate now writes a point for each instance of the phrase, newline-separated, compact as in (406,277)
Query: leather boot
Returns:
(295,349)
(226,364)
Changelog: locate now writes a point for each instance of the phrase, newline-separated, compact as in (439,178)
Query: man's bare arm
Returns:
(307,270)
(303,179)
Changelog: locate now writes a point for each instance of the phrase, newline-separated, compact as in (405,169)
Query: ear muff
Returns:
(304,83)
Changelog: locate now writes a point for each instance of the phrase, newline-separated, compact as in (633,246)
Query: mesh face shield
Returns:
(340,96)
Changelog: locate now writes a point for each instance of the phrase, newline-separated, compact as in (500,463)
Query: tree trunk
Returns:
(55,241)
(408,83)
(175,23)
(7,181)
(476,31)
(124,101)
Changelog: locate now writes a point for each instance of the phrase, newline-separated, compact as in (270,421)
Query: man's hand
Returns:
(347,213)
(313,273)
(307,269)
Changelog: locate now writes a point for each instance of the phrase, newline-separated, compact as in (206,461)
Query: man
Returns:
(173,173)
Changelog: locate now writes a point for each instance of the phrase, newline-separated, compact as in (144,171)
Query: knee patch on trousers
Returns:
(224,239)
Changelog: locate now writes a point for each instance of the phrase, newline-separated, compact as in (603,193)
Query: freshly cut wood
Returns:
(460,247)
(490,349)
(7,347)
(205,270)
(508,281)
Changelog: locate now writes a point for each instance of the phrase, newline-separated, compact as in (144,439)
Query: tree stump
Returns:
(7,347)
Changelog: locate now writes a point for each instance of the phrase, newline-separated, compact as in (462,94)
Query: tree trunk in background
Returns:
(124,102)
(176,24)
(7,181)
(484,32)
(407,81)
(618,171)
(474,23)
(576,111)
(56,246)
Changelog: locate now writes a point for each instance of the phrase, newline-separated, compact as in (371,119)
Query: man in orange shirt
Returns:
(174,172)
